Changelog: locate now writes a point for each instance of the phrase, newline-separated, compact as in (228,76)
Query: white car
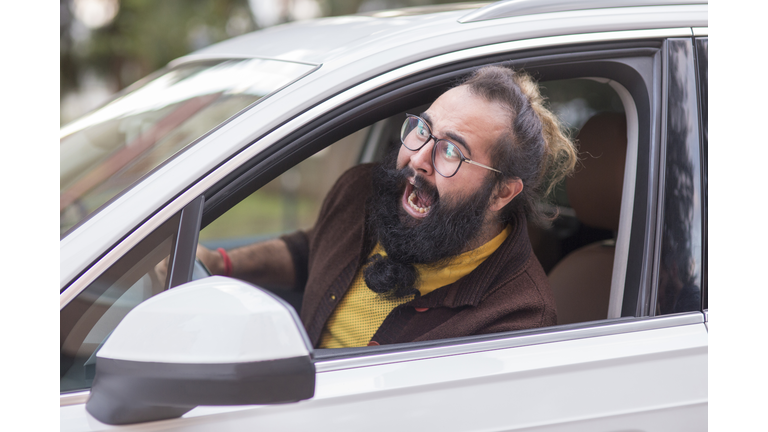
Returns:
(240,141)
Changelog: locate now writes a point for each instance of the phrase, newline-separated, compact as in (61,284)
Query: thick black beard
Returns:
(434,240)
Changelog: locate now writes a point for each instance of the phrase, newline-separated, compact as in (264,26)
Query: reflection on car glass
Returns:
(680,266)
(87,321)
(108,150)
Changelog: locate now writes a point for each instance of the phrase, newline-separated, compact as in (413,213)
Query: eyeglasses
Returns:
(446,156)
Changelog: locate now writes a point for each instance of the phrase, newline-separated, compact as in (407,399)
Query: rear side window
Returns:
(680,265)
(702,60)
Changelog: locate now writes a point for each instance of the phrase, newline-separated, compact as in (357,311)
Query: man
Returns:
(433,242)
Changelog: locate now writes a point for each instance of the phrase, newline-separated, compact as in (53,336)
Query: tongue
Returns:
(422,200)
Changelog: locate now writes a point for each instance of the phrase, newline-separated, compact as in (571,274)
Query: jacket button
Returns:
(333,297)
(421,309)
(373,343)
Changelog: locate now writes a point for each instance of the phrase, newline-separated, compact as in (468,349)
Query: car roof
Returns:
(511,8)
(326,39)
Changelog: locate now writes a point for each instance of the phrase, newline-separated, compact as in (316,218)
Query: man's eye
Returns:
(421,129)
(451,152)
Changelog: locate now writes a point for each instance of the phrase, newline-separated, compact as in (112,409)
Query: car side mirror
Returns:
(214,341)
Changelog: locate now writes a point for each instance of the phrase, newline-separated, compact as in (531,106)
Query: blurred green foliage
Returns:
(144,36)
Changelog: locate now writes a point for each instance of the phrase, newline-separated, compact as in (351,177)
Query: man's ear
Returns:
(505,192)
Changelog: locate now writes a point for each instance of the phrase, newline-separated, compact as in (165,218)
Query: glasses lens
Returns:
(414,133)
(447,158)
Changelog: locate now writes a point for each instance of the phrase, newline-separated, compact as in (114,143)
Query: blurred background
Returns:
(107,45)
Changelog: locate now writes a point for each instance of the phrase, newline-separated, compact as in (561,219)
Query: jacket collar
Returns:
(508,260)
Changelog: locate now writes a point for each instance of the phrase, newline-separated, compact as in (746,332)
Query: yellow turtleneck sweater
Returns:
(361,311)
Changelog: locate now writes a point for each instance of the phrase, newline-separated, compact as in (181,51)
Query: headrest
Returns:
(594,190)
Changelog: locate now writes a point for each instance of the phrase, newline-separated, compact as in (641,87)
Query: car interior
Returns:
(576,248)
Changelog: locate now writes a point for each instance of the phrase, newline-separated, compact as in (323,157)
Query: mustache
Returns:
(403,176)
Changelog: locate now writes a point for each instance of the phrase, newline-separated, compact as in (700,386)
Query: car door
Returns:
(638,367)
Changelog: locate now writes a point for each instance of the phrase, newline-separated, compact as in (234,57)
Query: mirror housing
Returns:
(214,341)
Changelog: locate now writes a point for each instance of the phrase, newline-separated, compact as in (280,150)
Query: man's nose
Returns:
(421,160)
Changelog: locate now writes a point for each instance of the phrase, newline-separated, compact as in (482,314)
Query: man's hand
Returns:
(161,272)
(267,264)
(211,259)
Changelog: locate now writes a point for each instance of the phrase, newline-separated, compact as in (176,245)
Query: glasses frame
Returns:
(434,149)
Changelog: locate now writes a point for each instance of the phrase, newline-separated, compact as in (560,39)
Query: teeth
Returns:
(411,199)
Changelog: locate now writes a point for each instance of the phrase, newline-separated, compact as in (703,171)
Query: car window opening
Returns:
(587,226)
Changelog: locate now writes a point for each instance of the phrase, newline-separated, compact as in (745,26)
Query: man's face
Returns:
(468,121)
(421,217)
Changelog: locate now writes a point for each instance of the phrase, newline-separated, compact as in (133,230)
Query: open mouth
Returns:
(416,201)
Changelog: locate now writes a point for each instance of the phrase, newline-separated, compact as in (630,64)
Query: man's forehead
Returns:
(462,100)
(466,118)
(448,134)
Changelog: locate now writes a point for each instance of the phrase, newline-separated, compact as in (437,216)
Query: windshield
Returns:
(106,151)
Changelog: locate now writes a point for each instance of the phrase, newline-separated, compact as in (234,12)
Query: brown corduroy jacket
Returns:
(508,291)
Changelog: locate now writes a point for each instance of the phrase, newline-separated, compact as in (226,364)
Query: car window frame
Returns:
(377,105)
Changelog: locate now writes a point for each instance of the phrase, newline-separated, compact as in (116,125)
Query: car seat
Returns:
(581,281)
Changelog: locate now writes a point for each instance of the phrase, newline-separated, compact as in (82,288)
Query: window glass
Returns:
(680,266)
(702,57)
(87,321)
(108,150)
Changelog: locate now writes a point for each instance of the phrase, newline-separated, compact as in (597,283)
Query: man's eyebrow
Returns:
(453,137)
